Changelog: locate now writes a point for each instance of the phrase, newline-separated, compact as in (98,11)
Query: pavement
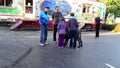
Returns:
(11,49)
(21,49)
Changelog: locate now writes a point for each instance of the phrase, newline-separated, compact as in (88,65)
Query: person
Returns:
(61,31)
(79,35)
(44,21)
(67,35)
(56,16)
(97,23)
(73,25)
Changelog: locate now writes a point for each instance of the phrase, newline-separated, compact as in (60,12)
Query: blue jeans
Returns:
(44,33)
(73,38)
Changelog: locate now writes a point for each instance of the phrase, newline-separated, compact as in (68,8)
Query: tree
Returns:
(113,6)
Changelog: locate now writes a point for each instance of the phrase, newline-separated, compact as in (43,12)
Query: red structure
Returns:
(35,23)
(28,23)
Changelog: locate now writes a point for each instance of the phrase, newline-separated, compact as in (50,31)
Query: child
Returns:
(67,35)
(73,25)
(61,31)
(79,35)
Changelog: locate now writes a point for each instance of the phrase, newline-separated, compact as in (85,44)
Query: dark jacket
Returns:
(56,16)
(97,20)
(73,24)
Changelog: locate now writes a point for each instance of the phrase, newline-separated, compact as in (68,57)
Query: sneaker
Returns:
(62,47)
(69,46)
(41,44)
(79,46)
(46,43)
(74,47)
(96,36)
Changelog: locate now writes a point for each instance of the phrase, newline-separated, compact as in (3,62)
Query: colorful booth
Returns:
(26,12)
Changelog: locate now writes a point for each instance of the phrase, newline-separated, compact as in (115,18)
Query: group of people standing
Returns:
(65,30)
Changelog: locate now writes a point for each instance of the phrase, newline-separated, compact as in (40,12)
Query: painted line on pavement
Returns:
(109,65)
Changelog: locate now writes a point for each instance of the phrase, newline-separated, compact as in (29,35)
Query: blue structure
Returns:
(64,6)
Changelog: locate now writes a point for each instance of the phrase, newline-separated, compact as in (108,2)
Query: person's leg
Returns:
(42,35)
(66,38)
(96,33)
(80,42)
(75,38)
(66,42)
(97,30)
(59,40)
(71,38)
(79,39)
(78,32)
(54,32)
(62,40)
(46,34)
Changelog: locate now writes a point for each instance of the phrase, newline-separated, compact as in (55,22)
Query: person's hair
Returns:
(62,19)
(72,14)
(56,7)
(47,7)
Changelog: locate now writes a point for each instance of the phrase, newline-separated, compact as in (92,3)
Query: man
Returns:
(97,22)
(44,21)
(56,17)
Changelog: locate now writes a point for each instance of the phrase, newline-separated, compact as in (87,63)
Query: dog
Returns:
(67,37)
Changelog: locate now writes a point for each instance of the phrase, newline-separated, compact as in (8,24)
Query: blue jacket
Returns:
(44,19)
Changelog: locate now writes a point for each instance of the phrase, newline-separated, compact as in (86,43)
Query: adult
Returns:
(56,17)
(97,23)
(44,21)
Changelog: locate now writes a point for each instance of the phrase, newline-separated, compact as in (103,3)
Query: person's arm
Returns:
(68,23)
(53,18)
(42,18)
(58,27)
(77,24)
(61,14)
(96,20)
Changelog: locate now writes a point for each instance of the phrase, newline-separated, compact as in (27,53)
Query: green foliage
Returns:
(113,6)
(6,23)
(108,27)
